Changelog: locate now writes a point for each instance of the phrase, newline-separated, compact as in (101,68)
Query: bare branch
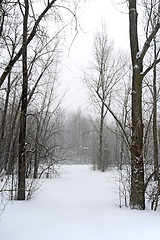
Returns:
(31,36)
(150,68)
(117,120)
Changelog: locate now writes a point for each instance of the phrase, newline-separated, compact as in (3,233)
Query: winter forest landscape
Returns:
(79,120)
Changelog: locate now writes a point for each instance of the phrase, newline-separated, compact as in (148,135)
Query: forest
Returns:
(121,129)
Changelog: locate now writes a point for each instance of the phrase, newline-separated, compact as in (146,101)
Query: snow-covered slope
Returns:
(79,205)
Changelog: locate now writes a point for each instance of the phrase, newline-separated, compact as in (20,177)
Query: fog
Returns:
(79,53)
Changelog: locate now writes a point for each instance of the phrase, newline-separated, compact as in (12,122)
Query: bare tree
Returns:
(101,80)
(137,198)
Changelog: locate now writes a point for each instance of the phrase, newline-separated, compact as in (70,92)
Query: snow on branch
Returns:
(148,41)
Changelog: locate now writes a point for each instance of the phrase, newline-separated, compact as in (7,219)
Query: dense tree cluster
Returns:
(29,61)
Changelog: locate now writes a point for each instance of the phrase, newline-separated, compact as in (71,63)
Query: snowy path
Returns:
(80,205)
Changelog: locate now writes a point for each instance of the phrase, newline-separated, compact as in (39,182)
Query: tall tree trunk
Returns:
(155,138)
(2,14)
(137,198)
(22,134)
(3,141)
(101,160)
(1,10)
(36,162)
(3,126)
(12,135)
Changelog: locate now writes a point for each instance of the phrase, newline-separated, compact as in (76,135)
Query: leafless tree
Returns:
(101,80)
(27,68)
(137,199)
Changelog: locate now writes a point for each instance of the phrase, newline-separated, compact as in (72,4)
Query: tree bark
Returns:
(3,126)
(137,198)
(101,160)
(2,14)
(22,134)
(35,174)
(155,138)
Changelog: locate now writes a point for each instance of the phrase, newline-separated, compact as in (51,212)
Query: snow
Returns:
(136,67)
(138,55)
(78,205)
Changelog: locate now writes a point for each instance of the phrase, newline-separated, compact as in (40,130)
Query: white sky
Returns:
(91,16)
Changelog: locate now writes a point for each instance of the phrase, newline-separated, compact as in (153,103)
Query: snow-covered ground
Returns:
(78,205)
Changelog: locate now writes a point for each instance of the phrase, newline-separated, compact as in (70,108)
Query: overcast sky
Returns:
(91,15)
